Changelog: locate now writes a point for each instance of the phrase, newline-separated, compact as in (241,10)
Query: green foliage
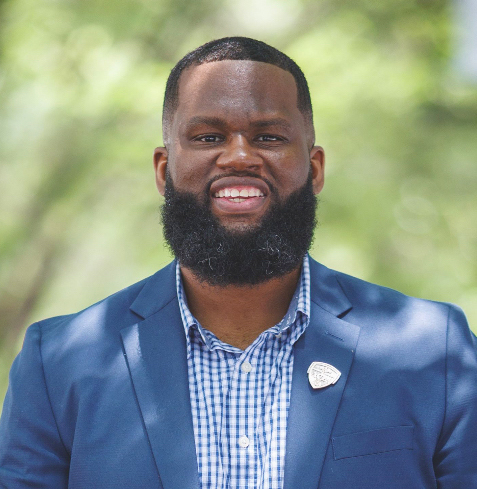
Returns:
(81,86)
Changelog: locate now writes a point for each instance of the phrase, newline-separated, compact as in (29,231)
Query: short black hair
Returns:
(235,48)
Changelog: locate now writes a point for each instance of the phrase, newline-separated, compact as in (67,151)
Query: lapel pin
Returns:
(322,374)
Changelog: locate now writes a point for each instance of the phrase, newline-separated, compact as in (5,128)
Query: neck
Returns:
(238,314)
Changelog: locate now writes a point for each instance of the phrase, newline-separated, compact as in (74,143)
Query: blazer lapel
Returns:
(312,412)
(155,349)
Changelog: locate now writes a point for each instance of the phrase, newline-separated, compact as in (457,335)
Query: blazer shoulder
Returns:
(116,304)
(373,301)
(111,314)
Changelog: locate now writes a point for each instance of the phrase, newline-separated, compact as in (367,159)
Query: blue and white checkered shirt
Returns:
(240,399)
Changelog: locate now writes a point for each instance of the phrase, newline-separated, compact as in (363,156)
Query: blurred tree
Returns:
(81,85)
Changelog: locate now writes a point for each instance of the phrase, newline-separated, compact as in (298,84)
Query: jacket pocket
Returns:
(373,441)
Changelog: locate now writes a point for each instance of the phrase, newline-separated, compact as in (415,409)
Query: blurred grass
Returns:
(81,86)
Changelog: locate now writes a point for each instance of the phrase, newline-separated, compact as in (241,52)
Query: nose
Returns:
(239,155)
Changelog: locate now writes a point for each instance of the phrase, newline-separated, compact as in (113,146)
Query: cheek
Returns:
(188,173)
(293,175)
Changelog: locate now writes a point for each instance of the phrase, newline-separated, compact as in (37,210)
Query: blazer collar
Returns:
(326,290)
(158,290)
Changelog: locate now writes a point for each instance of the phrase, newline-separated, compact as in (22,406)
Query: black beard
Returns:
(222,257)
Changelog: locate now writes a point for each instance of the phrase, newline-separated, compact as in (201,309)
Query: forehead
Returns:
(236,89)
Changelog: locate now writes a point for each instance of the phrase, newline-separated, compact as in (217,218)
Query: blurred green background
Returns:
(81,86)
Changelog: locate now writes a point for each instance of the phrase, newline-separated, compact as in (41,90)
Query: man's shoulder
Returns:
(369,300)
(109,315)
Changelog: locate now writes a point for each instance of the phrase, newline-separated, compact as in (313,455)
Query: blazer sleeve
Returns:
(456,456)
(31,451)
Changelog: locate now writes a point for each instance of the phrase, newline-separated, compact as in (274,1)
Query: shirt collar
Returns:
(300,303)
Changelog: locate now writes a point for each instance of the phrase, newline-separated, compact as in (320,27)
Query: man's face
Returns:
(238,137)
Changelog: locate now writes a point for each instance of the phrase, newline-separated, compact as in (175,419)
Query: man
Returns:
(244,364)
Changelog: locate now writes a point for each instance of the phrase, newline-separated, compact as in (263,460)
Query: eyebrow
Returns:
(218,122)
(209,121)
(277,121)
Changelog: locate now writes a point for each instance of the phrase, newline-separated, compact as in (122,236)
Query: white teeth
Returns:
(234,193)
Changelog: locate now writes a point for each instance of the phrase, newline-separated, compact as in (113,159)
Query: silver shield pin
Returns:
(322,374)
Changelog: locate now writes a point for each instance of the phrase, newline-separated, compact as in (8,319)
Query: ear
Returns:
(317,160)
(160,165)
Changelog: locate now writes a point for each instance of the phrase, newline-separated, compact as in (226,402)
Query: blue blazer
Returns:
(100,399)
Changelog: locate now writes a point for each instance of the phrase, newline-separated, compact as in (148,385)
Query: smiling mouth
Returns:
(238,193)
(235,197)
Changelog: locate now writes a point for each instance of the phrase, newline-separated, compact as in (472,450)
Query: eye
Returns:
(269,138)
(208,138)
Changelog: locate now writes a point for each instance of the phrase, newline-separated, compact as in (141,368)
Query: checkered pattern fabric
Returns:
(240,399)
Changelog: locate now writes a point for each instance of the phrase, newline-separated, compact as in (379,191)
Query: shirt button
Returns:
(244,442)
(246,367)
